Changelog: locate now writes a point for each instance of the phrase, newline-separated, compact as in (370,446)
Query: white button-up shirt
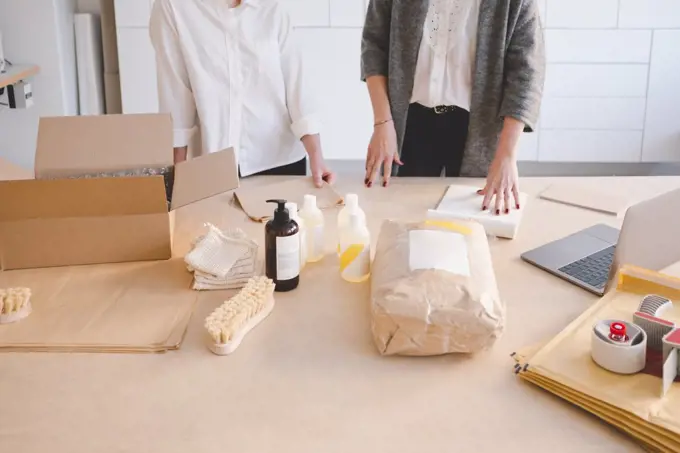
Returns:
(237,74)
(447,53)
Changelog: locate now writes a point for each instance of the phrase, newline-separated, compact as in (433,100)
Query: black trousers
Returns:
(434,142)
(298,168)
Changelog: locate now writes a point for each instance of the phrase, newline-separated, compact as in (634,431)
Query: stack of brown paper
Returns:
(632,403)
(254,200)
(141,307)
(588,196)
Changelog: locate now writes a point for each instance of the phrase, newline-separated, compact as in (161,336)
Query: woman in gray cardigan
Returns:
(453,83)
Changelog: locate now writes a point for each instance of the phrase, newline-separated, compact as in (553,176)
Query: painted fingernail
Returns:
(365,180)
(370,183)
(384,183)
(498,212)
(507,210)
(517,205)
(483,208)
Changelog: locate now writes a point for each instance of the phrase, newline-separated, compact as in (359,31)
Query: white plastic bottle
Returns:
(293,210)
(314,223)
(355,250)
(351,206)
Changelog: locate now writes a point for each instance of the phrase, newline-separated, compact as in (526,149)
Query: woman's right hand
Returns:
(382,151)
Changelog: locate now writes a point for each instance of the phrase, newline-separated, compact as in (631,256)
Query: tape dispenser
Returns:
(619,346)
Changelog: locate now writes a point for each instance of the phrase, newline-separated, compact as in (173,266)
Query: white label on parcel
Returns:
(442,250)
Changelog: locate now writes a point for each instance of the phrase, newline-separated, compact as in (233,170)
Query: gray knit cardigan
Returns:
(508,76)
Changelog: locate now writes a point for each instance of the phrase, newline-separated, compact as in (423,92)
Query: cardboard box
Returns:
(75,213)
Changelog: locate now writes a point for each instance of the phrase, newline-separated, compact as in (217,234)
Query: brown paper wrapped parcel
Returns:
(433,289)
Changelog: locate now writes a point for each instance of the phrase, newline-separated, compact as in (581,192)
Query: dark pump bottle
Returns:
(282,249)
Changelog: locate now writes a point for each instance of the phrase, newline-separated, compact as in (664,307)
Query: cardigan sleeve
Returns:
(375,39)
(524,72)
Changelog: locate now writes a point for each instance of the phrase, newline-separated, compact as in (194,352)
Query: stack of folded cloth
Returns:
(222,259)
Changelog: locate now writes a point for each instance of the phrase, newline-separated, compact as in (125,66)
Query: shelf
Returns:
(14,73)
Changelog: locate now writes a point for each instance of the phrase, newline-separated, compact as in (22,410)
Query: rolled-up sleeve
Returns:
(525,67)
(300,90)
(375,39)
(174,89)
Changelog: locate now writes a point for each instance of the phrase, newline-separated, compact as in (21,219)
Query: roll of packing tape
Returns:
(619,346)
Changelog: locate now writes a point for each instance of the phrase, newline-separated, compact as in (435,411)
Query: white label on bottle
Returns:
(303,247)
(287,257)
(315,242)
(442,250)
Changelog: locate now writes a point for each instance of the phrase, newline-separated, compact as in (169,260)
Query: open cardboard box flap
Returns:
(74,214)
(76,145)
(71,146)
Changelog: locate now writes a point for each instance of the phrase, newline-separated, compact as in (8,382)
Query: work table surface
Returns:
(309,379)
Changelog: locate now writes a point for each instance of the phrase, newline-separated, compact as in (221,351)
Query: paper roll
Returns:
(90,65)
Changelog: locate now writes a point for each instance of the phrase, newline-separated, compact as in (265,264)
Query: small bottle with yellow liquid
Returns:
(355,250)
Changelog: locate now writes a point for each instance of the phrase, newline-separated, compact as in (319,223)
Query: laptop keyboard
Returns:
(593,269)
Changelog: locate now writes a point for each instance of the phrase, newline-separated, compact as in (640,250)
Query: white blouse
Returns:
(237,74)
(447,54)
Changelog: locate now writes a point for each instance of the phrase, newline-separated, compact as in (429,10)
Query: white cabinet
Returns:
(133,13)
(137,71)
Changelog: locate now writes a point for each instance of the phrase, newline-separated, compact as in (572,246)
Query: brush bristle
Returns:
(13,299)
(228,318)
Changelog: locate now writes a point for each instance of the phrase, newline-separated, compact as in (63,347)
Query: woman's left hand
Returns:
(502,184)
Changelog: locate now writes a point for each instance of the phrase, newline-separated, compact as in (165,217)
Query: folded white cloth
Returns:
(222,259)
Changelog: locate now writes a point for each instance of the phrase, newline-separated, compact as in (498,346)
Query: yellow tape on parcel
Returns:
(452,226)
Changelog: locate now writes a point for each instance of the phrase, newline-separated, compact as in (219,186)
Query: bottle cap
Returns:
(310,201)
(292,208)
(281,214)
(351,200)
(617,329)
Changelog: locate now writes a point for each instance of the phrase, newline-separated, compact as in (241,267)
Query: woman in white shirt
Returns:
(233,69)
(453,84)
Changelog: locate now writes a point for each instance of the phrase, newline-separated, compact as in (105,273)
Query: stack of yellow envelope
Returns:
(633,403)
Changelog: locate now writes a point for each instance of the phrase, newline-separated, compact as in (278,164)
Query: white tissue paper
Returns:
(463,203)
(222,259)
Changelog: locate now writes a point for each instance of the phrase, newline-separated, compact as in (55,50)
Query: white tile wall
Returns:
(528,147)
(309,13)
(347,13)
(649,14)
(582,13)
(604,56)
(596,80)
(590,146)
(593,113)
(662,126)
(598,46)
(542,9)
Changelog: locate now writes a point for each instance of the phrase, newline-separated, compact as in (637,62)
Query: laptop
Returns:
(648,238)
